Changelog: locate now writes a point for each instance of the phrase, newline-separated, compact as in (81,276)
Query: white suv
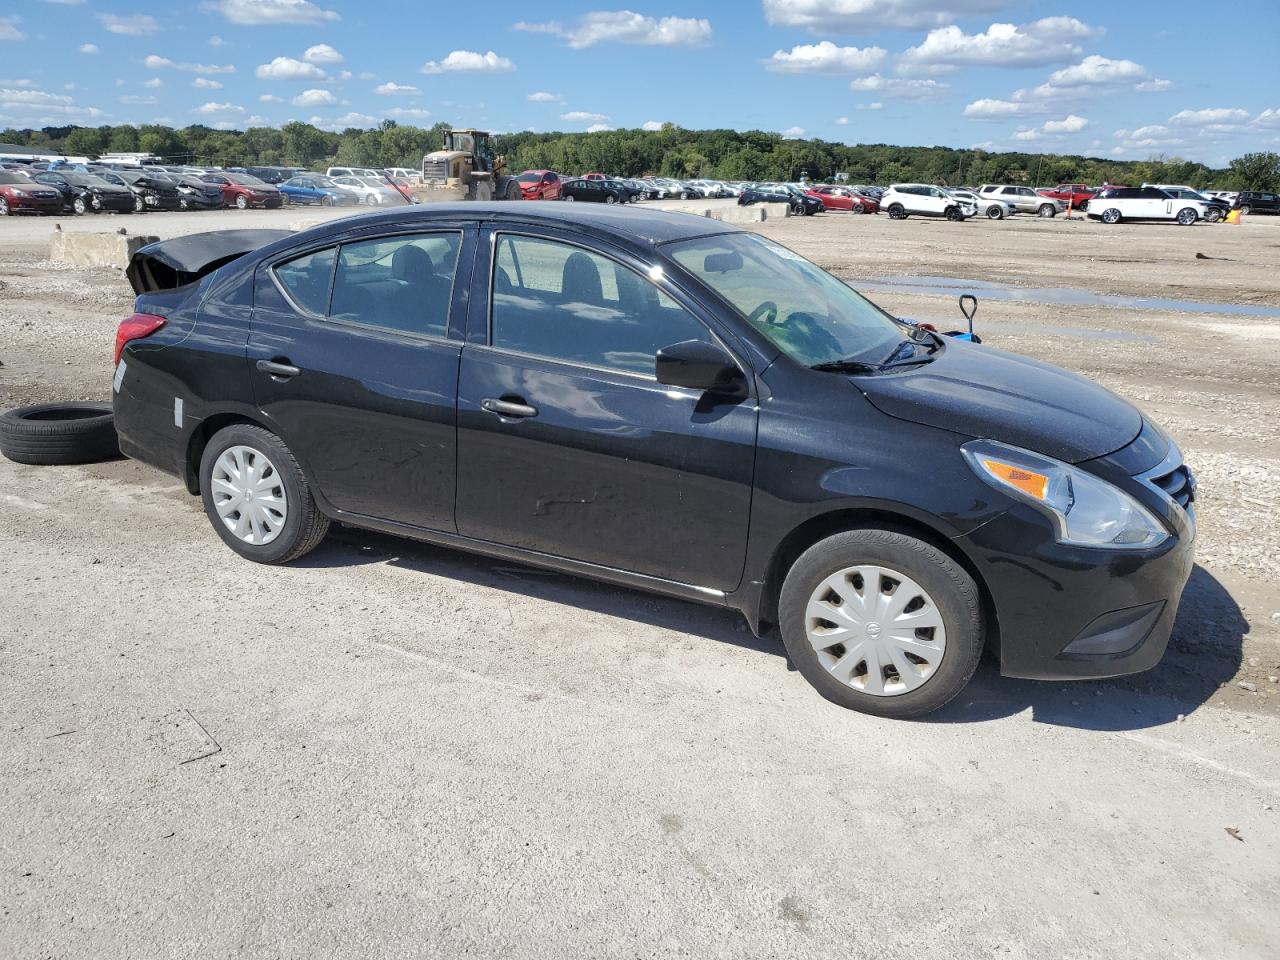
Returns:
(1144,203)
(903,199)
(1023,199)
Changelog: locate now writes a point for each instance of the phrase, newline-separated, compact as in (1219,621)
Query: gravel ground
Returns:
(390,749)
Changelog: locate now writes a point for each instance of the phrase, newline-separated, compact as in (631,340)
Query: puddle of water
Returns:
(1062,296)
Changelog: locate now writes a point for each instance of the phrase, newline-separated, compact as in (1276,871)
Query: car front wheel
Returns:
(1111,215)
(1246,209)
(79,206)
(897,212)
(881,622)
(257,497)
(4,207)
(1213,215)
(242,202)
(1048,210)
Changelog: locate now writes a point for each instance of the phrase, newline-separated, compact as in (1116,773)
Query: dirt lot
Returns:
(390,749)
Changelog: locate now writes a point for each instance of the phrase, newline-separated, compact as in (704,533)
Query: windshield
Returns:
(529,178)
(85,179)
(244,180)
(806,312)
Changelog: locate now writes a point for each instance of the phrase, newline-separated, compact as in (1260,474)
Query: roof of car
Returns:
(629,222)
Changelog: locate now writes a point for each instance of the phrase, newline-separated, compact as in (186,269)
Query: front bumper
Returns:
(35,205)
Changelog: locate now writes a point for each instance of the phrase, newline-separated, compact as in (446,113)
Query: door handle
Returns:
(278,371)
(508,408)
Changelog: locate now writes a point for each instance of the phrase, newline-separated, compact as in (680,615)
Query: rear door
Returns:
(568,445)
(354,352)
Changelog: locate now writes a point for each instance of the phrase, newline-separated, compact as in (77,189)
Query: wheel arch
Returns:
(823,525)
(200,438)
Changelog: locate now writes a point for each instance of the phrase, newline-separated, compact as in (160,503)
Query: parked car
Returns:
(195,193)
(351,172)
(371,190)
(988,207)
(1144,203)
(592,191)
(539,185)
(1075,195)
(595,175)
(150,191)
(1023,199)
(900,501)
(244,191)
(1256,201)
(902,200)
(1214,209)
(402,173)
(86,193)
(799,202)
(837,198)
(314,188)
(18,194)
(630,192)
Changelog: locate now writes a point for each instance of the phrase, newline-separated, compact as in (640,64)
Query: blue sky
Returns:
(1116,78)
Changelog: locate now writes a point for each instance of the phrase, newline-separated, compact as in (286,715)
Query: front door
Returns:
(354,353)
(569,446)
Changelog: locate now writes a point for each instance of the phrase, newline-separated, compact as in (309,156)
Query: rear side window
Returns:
(556,300)
(307,280)
(402,283)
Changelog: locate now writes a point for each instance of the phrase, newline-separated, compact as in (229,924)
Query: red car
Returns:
(842,198)
(1077,194)
(20,194)
(243,191)
(593,176)
(539,185)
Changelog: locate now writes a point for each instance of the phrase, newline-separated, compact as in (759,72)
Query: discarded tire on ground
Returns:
(51,434)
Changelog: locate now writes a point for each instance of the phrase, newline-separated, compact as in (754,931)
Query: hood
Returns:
(174,263)
(979,391)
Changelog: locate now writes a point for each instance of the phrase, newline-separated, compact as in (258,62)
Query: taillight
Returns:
(135,328)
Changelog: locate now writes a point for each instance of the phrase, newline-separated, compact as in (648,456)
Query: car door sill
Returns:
(536,558)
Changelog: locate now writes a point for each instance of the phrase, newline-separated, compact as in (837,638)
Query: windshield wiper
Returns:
(848,365)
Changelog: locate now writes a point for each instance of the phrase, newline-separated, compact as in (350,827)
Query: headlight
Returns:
(1087,511)
(16,192)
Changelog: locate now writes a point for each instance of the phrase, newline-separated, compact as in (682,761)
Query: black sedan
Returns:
(594,191)
(799,202)
(151,191)
(87,193)
(671,404)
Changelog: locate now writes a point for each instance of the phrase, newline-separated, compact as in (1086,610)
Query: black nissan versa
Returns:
(664,402)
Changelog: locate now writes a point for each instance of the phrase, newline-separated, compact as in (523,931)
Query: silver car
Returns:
(1023,199)
(988,207)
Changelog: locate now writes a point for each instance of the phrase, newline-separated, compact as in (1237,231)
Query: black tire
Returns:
(305,526)
(995,212)
(1187,216)
(610,198)
(1111,215)
(955,214)
(4,207)
(79,206)
(953,591)
(54,434)
(1213,215)
(242,202)
(138,205)
(897,212)
(1047,210)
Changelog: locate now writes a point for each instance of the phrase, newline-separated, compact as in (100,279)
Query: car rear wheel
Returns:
(257,497)
(881,622)
(1187,216)
(1047,210)
(1111,215)
(568,198)
(995,213)
(242,202)
(897,211)
(610,198)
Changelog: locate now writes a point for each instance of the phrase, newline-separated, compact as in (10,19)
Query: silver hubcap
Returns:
(875,630)
(248,493)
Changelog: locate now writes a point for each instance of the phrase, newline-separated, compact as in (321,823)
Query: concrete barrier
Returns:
(753,214)
(96,249)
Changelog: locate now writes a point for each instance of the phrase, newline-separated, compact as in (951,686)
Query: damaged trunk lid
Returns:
(176,263)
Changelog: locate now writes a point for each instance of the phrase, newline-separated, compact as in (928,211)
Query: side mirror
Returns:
(699,365)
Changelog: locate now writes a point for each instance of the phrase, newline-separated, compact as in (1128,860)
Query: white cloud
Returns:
(543,97)
(345,75)
(287,68)
(409,113)
(217,41)
(626,26)
(867,16)
(322,53)
(270,98)
(651,125)
(202,83)
(354,119)
(468,61)
(1068,124)
(314,98)
(793,132)
(987,108)
(257,120)
(21,105)
(870,106)
(272,11)
(1092,77)
(136,25)
(899,89)
(1267,118)
(1153,86)
(1216,117)
(582,116)
(842,121)
(211,108)
(154,62)
(153,83)
(598,128)
(9,29)
(1046,41)
(135,101)
(1094,70)
(88,48)
(826,57)
(390,89)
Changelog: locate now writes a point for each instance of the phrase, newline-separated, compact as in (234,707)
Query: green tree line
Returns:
(672,151)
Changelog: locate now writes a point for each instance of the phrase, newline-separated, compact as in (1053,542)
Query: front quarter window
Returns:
(804,311)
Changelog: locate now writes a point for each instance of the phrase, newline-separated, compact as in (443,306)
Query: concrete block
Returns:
(95,249)
(752,214)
